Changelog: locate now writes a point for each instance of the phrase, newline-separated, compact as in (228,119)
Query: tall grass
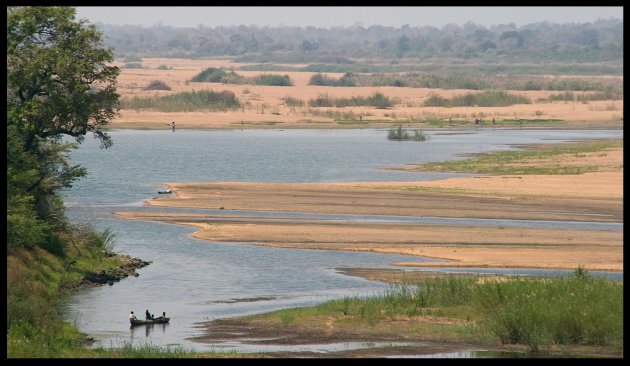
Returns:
(185,102)
(485,99)
(576,310)
(377,100)
(537,312)
(401,134)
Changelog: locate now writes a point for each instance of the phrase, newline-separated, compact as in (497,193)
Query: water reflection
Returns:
(135,330)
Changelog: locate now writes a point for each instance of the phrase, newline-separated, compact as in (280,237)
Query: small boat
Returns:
(154,321)
(168,191)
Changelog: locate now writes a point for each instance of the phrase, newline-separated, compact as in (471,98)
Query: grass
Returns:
(488,98)
(511,162)
(377,100)
(401,134)
(185,102)
(540,313)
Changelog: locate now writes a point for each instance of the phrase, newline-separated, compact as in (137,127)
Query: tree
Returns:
(60,82)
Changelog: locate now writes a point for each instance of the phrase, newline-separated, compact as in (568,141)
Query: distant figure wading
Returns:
(173,125)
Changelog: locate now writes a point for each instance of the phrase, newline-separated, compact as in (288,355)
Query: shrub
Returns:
(272,80)
(134,65)
(214,75)
(157,85)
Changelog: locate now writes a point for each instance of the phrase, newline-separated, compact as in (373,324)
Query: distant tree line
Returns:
(598,41)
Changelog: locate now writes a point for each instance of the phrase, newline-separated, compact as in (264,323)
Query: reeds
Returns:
(185,102)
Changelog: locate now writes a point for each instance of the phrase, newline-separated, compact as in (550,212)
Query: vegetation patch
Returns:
(519,162)
(539,313)
(484,99)
(185,102)
(157,85)
(216,75)
(401,134)
(377,100)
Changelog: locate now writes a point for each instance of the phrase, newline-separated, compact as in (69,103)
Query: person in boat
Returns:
(147,315)
(132,316)
(163,316)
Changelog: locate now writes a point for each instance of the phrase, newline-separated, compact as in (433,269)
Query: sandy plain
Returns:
(264,106)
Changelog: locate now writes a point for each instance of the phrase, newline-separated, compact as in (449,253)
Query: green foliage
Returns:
(59,82)
(573,310)
(186,101)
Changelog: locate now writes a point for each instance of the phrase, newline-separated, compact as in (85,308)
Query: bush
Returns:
(272,80)
(157,85)
(348,79)
(134,65)
(214,75)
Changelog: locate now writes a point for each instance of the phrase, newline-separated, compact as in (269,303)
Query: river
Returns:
(195,281)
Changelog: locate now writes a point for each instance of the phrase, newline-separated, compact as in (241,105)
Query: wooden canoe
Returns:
(143,322)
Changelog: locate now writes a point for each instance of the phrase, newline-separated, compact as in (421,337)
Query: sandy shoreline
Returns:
(461,246)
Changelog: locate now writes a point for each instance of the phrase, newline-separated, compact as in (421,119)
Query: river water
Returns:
(195,281)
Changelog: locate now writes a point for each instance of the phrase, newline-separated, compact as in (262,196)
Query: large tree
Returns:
(60,82)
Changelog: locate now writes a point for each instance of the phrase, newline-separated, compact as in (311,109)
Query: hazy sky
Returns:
(327,17)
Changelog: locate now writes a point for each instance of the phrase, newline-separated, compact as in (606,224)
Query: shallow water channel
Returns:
(194,280)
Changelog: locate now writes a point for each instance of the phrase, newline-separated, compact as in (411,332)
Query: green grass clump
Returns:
(401,134)
(185,102)
(377,100)
(483,99)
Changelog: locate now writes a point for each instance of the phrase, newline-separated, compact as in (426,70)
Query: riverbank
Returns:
(444,314)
